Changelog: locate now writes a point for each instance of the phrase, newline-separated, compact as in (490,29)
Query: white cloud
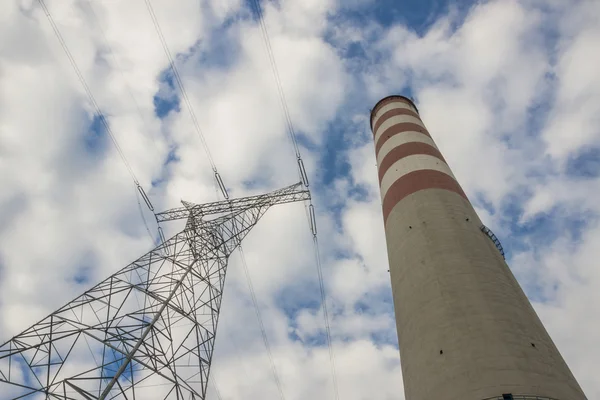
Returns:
(482,85)
(483,90)
(574,122)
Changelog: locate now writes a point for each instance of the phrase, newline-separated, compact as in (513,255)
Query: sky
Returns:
(509,89)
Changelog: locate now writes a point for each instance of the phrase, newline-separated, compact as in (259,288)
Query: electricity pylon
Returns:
(148,331)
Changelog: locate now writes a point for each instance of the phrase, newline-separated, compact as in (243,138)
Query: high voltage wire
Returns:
(325,313)
(260,321)
(133,99)
(100,115)
(218,179)
(117,65)
(185,96)
(302,173)
(275,70)
(137,196)
(214,382)
(88,90)
(291,131)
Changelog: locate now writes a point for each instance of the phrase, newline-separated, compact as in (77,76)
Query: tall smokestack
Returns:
(466,330)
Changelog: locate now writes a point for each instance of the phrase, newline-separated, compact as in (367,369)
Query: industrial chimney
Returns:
(466,330)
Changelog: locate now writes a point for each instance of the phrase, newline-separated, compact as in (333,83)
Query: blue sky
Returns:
(340,135)
(507,88)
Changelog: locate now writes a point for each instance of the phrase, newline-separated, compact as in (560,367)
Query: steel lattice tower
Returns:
(148,331)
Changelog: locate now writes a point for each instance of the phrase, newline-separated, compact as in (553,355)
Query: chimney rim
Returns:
(392,96)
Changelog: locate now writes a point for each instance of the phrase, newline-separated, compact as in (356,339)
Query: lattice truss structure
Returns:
(148,331)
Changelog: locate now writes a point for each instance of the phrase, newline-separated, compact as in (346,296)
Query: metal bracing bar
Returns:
(130,355)
(286,195)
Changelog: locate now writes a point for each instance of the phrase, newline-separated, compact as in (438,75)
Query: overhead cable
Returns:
(144,219)
(184,95)
(214,383)
(220,184)
(218,179)
(117,66)
(325,314)
(260,321)
(275,70)
(88,91)
(310,211)
(99,114)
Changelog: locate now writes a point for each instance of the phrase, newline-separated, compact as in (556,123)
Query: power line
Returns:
(143,217)
(179,81)
(260,321)
(214,383)
(100,115)
(275,70)
(325,314)
(218,179)
(128,166)
(118,65)
(185,96)
(88,91)
(304,178)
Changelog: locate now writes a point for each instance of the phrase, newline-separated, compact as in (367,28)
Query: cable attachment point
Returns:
(313,220)
(146,199)
(221,185)
(302,172)
(161,234)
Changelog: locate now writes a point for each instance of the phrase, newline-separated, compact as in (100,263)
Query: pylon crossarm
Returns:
(289,194)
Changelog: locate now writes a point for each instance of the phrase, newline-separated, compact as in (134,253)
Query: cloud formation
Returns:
(508,89)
